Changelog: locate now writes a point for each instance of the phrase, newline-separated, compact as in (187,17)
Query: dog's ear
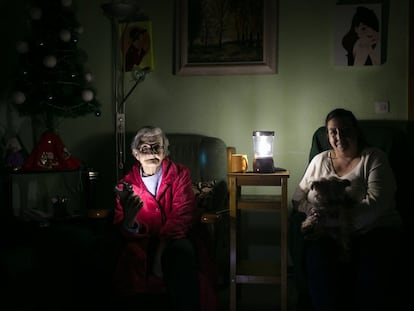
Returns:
(312,186)
(316,183)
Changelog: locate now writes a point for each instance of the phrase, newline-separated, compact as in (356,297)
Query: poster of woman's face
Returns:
(358,35)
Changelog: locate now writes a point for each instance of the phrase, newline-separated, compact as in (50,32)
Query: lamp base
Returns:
(263,165)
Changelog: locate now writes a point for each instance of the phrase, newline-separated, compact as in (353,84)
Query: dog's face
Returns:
(328,191)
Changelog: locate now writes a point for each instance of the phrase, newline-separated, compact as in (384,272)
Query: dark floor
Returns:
(35,291)
(33,266)
(259,298)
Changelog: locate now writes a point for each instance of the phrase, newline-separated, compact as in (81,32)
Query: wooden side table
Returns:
(247,272)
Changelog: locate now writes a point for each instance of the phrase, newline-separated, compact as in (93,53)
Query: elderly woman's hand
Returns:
(131,204)
(131,208)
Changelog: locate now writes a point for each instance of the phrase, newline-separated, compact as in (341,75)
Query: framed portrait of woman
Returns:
(359,36)
(137,50)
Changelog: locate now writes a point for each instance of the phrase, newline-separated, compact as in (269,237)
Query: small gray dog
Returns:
(331,202)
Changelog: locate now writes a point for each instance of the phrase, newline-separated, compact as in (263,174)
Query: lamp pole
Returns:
(121,13)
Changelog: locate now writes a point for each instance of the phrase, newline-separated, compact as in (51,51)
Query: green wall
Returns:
(292,102)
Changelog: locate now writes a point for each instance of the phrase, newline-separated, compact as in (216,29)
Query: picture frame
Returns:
(356,45)
(200,50)
(137,45)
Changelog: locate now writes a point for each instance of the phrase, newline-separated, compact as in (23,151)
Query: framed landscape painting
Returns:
(221,37)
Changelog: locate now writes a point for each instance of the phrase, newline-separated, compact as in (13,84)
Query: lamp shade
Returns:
(263,151)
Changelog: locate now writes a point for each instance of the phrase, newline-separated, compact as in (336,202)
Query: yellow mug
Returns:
(239,163)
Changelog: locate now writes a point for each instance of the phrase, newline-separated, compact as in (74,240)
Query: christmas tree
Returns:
(51,77)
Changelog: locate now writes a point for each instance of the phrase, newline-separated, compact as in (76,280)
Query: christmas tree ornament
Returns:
(40,43)
(65,35)
(50,61)
(79,30)
(36,13)
(22,47)
(87,95)
(66,3)
(88,77)
(19,97)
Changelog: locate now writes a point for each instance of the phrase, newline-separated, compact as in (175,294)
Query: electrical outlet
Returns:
(382,106)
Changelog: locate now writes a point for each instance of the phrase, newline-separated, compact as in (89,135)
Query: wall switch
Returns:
(382,106)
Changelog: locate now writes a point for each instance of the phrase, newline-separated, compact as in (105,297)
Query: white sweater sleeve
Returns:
(375,200)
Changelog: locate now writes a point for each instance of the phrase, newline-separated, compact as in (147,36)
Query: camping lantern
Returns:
(263,151)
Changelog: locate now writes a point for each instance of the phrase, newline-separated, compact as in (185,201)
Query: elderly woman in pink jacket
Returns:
(156,216)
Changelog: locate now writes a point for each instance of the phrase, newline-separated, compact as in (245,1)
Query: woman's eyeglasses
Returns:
(150,149)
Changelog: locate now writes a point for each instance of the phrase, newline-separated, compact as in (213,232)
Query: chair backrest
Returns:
(384,135)
(205,156)
(389,136)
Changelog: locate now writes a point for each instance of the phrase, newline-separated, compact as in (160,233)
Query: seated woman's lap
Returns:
(180,269)
(368,281)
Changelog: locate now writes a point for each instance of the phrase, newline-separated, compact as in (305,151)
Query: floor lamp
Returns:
(121,13)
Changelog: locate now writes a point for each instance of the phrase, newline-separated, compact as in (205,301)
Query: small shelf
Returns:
(259,202)
(249,271)
(260,272)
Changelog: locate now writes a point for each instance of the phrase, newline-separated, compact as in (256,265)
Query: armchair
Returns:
(389,136)
(73,258)
(206,157)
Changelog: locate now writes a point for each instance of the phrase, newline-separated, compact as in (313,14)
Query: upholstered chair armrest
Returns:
(212,199)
